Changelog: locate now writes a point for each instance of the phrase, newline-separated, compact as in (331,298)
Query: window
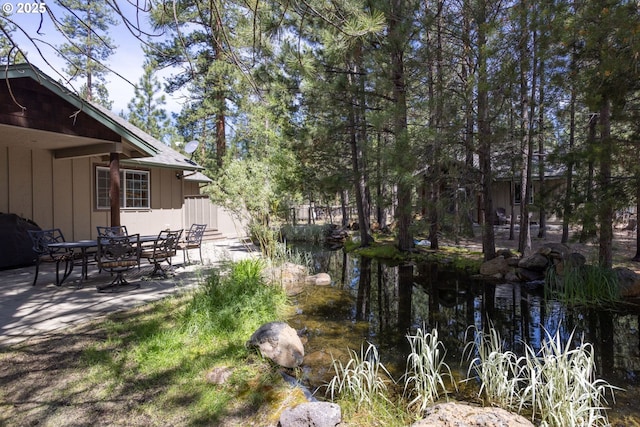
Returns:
(134,189)
(517,194)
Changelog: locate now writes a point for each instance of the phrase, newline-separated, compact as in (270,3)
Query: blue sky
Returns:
(127,60)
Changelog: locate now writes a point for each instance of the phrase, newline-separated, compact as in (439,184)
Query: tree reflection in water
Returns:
(373,301)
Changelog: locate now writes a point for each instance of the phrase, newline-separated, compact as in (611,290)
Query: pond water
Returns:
(372,301)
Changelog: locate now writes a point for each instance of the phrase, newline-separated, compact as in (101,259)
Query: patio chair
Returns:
(42,239)
(116,230)
(108,231)
(118,254)
(193,240)
(164,247)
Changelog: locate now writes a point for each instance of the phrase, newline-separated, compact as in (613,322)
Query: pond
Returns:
(372,301)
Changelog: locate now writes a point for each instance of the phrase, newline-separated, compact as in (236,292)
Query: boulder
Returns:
(628,282)
(279,342)
(526,275)
(311,414)
(536,262)
(495,267)
(506,253)
(555,250)
(288,275)
(320,279)
(458,414)
(15,243)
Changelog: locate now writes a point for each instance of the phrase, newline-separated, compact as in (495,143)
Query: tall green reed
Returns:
(582,285)
(426,370)
(557,384)
(497,370)
(364,378)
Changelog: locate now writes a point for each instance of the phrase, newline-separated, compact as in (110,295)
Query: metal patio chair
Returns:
(116,230)
(193,240)
(164,247)
(42,239)
(118,254)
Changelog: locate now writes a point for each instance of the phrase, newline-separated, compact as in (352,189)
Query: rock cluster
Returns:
(293,277)
(336,237)
(533,268)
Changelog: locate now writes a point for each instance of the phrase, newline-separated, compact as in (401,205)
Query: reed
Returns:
(498,371)
(556,385)
(562,389)
(585,285)
(361,379)
(426,370)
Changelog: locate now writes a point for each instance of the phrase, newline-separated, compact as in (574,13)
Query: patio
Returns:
(29,311)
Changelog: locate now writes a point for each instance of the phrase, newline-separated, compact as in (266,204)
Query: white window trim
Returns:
(123,200)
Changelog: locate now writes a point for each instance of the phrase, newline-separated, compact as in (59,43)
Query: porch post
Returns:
(114,191)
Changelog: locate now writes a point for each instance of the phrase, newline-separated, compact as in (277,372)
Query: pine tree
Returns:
(145,108)
(85,26)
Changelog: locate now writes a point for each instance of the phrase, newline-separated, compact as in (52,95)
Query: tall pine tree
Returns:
(85,25)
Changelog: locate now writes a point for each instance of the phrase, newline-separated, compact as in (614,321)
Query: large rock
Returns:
(312,414)
(15,243)
(537,262)
(555,250)
(496,267)
(452,414)
(288,275)
(628,282)
(320,279)
(280,343)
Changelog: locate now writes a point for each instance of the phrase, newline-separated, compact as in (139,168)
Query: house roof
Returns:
(165,156)
(143,149)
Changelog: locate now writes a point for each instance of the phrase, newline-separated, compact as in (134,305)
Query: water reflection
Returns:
(379,303)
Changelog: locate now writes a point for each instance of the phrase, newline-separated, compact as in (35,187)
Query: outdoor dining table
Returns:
(84,245)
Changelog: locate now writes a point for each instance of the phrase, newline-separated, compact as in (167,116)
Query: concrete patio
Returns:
(28,311)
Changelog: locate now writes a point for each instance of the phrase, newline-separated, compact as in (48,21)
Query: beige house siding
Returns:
(502,194)
(61,193)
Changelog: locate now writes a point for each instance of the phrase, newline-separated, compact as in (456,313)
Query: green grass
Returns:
(585,285)
(168,349)
(309,233)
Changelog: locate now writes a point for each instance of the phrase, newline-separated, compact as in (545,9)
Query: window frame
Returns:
(517,193)
(136,197)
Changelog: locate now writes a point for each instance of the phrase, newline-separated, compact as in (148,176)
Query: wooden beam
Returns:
(88,150)
(114,193)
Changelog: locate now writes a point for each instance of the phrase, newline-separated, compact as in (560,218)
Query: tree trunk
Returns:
(606,205)
(357,144)
(588,220)
(397,40)
(542,230)
(637,256)
(568,205)
(527,112)
(484,140)
(344,207)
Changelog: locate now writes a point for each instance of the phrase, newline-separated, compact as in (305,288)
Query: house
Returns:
(57,157)
(507,192)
